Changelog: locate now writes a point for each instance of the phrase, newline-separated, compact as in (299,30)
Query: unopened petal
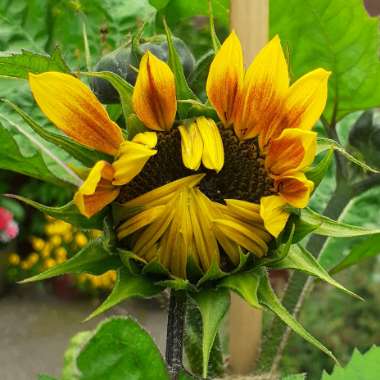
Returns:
(273,214)
(73,108)
(265,85)
(225,78)
(132,157)
(213,151)
(154,95)
(97,190)
(191,146)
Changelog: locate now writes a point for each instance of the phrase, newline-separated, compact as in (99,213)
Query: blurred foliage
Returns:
(337,321)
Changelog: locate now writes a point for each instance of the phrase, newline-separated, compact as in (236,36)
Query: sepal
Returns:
(318,172)
(127,285)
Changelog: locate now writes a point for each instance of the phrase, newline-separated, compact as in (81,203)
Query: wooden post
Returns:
(249,19)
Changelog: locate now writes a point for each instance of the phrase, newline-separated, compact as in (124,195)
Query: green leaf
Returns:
(361,366)
(120,349)
(19,65)
(328,227)
(359,252)
(93,258)
(127,285)
(318,172)
(186,376)
(124,89)
(325,143)
(159,4)
(300,259)
(268,298)
(183,90)
(193,344)
(70,370)
(19,155)
(68,213)
(245,284)
(213,305)
(340,37)
(82,153)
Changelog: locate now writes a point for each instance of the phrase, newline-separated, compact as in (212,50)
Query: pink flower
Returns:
(8,227)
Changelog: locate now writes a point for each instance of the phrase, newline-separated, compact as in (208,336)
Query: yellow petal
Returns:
(163,194)
(295,189)
(73,108)
(244,210)
(293,150)
(213,151)
(97,190)
(306,100)
(225,77)
(132,157)
(265,85)
(139,221)
(191,146)
(273,214)
(243,234)
(154,97)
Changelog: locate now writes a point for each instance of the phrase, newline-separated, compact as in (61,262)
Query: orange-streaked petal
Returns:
(225,78)
(273,214)
(154,96)
(265,86)
(97,190)
(294,150)
(306,100)
(132,157)
(73,108)
(295,189)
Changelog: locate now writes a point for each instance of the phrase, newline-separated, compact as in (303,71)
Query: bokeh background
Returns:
(36,321)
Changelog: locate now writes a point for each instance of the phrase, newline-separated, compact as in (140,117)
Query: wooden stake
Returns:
(249,19)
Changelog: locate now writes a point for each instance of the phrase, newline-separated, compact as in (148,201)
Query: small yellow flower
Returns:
(49,263)
(61,253)
(33,258)
(81,239)
(55,241)
(14,259)
(37,243)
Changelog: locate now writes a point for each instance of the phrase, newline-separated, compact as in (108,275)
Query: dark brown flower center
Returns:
(243,175)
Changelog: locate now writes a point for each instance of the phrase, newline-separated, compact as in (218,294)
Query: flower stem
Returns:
(174,334)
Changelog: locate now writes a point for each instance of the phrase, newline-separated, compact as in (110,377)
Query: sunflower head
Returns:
(202,188)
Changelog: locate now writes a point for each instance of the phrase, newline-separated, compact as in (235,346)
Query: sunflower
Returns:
(205,190)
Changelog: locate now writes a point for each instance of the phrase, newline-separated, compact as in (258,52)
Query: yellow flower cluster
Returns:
(61,240)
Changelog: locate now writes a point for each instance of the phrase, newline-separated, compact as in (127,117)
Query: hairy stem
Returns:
(174,334)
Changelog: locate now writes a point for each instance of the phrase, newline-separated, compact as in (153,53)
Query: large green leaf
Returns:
(268,298)
(359,252)
(120,349)
(18,154)
(68,213)
(300,259)
(93,258)
(328,227)
(245,284)
(213,305)
(19,65)
(127,285)
(360,367)
(338,36)
(70,370)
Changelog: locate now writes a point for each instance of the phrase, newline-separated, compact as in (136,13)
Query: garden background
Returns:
(40,26)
